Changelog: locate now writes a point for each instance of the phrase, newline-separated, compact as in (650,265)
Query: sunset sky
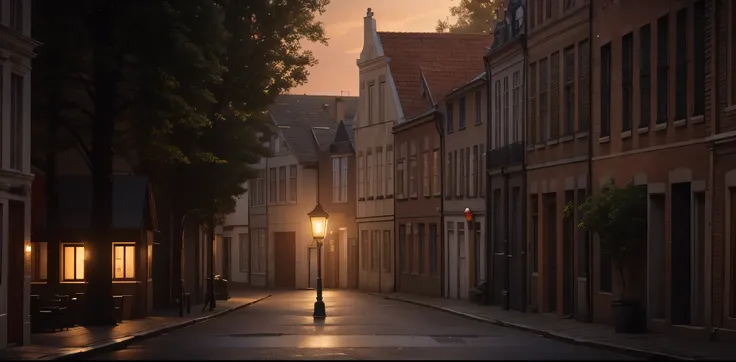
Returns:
(343,21)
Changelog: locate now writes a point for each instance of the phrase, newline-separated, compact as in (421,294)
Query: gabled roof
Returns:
(343,141)
(443,59)
(306,122)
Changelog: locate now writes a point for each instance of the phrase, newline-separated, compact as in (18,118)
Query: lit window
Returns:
(73,262)
(124,261)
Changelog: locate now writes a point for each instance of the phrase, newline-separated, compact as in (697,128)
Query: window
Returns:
(583,85)
(540,12)
(497,105)
(481,170)
(433,250)
(699,58)
(16,15)
(568,4)
(272,185)
(375,250)
(569,90)
(72,262)
(420,249)
(461,174)
(543,100)
(369,175)
(413,170)
(425,174)
(282,184)
(461,117)
(645,78)
(389,171)
(124,260)
(339,179)
(382,101)
(244,255)
(262,187)
(361,177)
(258,246)
(292,183)
(548,9)
(450,116)
(473,184)
(663,68)
(532,12)
(387,260)
(478,105)
(39,261)
(408,255)
(535,232)
(606,90)
(379,172)
(371,103)
(506,120)
(681,66)
(16,122)
(365,251)
(436,173)
(515,108)
(532,104)
(400,172)
(627,82)
(402,248)
(554,117)
(449,176)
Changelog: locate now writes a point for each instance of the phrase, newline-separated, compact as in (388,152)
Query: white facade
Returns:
(232,243)
(15,173)
(379,110)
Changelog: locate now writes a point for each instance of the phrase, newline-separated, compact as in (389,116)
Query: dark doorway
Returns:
(550,250)
(680,253)
(656,269)
(16,273)
(353,263)
(226,255)
(568,258)
(517,281)
(285,259)
(499,262)
(330,253)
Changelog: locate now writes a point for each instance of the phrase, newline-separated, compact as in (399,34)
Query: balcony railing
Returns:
(509,155)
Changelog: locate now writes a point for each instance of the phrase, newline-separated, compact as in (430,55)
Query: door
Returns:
(517,298)
(312,251)
(550,251)
(453,258)
(680,254)
(568,258)
(387,262)
(462,271)
(226,257)
(285,259)
(353,263)
(330,252)
(656,258)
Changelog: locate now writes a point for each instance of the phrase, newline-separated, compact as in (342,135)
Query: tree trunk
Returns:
(99,262)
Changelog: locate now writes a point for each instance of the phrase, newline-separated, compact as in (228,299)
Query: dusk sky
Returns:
(343,21)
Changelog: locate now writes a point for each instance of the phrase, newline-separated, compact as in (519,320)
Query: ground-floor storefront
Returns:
(377,251)
(418,262)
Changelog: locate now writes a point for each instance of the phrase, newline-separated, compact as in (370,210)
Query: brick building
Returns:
(651,83)
(557,149)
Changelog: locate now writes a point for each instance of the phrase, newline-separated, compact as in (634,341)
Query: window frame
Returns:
(645,76)
(63,278)
(436,186)
(682,64)
(389,171)
(282,185)
(663,70)
(272,185)
(17,115)
(426,186)
(449,117)
(569,90)
(125,246)
(627,82)
(361,176)
(605,90)
(293,183)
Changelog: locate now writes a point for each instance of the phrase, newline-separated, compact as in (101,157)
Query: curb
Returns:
(122,342)
(634,352)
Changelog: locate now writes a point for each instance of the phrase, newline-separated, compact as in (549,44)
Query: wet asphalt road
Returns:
(358,326)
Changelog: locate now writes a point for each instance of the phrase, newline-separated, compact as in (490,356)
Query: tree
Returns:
(472,17)
(618,215)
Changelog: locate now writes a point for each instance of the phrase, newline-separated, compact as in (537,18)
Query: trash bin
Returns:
(221,292)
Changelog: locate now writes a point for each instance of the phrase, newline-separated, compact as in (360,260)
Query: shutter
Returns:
(584,86)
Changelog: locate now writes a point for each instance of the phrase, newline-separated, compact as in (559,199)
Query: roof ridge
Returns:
(435,34)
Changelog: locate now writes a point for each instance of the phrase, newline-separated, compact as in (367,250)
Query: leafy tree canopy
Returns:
(472,17)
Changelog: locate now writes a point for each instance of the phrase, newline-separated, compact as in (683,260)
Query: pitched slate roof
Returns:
(306,122)
(130,203)
(444,59)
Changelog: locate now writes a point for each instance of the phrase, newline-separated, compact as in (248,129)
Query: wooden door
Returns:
(353,263)
(285,259)
(330,252)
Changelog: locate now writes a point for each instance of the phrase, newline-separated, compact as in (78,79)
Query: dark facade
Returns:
(505,160)
(417,207)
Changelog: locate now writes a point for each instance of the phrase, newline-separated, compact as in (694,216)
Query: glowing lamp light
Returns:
(468,214)
(28,248)
(318,219)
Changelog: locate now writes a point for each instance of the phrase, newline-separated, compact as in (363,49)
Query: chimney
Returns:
(339,112)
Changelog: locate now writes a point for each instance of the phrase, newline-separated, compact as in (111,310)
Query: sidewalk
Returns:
(78,342)
(650,345)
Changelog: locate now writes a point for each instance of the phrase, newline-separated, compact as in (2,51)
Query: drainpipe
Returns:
(441,132)
(524,203)
(589,184)
(506,263)
(489,243)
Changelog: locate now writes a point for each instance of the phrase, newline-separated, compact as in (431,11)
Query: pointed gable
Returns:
(444,60)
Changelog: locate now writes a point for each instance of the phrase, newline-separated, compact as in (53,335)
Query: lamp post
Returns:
(318,219)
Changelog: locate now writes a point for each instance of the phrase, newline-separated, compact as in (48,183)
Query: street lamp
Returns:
(318,219)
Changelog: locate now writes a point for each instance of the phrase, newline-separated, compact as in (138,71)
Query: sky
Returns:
(337,71)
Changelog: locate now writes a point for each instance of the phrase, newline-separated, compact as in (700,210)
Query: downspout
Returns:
(440,131)
(589,180)
(524,203)
(489,243)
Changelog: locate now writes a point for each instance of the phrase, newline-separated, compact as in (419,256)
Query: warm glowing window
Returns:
(124,261)
(73,262)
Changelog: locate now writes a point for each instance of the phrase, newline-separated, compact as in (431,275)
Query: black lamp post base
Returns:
(319,309)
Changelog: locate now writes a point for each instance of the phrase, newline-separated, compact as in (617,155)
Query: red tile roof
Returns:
(446,61)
